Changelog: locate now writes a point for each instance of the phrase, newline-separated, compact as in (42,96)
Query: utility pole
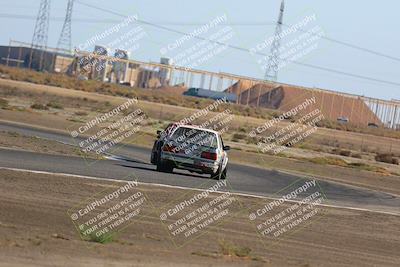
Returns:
(64,42)
(40,34)
(274,57)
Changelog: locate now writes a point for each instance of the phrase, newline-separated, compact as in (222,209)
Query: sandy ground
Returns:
(16,141)
(35,230)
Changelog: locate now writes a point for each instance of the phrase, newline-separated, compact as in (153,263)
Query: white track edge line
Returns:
(189,188)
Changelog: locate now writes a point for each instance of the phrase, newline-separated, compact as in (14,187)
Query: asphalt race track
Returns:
(131,161)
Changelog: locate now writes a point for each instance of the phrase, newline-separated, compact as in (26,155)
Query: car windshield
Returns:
(190,136)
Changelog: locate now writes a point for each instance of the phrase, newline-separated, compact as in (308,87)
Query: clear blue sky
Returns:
(366,23)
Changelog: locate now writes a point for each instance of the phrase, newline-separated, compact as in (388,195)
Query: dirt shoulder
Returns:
(36,231)
(16,141)
(355,177)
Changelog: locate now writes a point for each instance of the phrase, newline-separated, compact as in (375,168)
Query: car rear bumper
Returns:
(191,164)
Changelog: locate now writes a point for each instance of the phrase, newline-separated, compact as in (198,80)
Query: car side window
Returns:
(222,142)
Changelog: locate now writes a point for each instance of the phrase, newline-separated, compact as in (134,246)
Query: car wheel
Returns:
(164,167)
(220,175)
(223,174)
(169,168)
(153,158)
(160,166)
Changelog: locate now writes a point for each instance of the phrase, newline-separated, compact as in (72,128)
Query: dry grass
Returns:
(92,237)
(352,128)
(54,105)
(329,161)
(39,106)
(3,103)
(387,158)
(165,97)
(151,95)
(355,165)
(229,249)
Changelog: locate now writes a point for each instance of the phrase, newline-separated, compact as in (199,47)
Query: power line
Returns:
(110,21)
(349,45)
(243,49)
(271,23)
(250,24)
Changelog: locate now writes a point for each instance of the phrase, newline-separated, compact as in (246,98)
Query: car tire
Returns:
(160,166)
(223,174)
(164,167)
(169,168)
(220,175)
(153,158)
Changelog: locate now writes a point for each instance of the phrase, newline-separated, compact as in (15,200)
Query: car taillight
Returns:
(209,155)
(168,148)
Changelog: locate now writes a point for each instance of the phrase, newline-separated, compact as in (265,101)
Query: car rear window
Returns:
(190,136)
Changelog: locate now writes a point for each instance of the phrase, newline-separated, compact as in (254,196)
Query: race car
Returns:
(191,148)
(161,136)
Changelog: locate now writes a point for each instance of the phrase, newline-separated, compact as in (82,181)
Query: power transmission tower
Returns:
(274,57)
(40,34)
(64,42)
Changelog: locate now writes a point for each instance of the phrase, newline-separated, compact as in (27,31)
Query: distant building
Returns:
(148,78)
(120,68)
(165,73)
(26,57)
(100,64)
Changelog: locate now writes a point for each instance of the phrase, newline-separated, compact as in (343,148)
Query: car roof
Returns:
(197,128)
